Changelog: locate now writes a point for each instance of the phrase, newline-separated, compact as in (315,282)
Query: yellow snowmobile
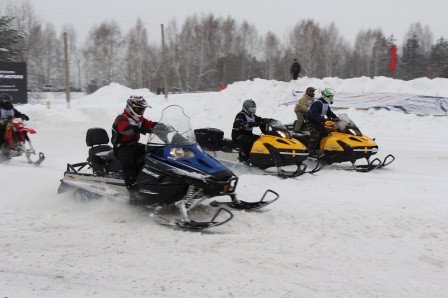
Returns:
(274,148)
(346,143)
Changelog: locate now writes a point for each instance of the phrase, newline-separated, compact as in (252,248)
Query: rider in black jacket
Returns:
(7,112)
(242,133)
(316,118)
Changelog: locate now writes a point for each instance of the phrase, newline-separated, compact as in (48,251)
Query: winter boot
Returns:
(134,195)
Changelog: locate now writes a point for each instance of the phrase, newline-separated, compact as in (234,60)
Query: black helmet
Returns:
(250,106)
(6,101)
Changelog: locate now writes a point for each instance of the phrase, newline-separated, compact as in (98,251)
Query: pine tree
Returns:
(10,40)
(413,60)
(439,59)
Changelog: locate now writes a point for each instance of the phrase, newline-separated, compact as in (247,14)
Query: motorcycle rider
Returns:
(126,131)
(316,118)
(7,112)
(242,133)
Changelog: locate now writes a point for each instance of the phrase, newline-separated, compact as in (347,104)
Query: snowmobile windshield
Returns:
(346,125)
(275,128)
(174,128)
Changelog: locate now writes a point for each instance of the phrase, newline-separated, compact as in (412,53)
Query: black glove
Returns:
(25,117)
(335,119)
(143,130)
(161,131)
(161,127)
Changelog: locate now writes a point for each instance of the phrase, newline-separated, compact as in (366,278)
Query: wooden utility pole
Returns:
(165,81)
(67,73)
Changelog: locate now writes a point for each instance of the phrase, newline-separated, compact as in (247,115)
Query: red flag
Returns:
(393,58)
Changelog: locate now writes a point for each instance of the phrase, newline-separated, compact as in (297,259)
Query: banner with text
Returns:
(13,81)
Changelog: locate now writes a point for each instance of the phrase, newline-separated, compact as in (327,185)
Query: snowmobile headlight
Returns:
(353,132)
(179,152)
(284,134)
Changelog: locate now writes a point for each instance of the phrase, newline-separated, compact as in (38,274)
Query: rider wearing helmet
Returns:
(302,107)
(316,118)
(242,133)
(126,131)
(7,111)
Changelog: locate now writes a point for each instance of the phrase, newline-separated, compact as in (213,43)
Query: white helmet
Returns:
(136,106)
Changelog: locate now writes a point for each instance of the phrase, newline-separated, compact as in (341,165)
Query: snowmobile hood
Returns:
(189,158)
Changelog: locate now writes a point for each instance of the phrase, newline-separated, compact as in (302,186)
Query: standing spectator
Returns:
(295,69)
(302,107)
(316,118)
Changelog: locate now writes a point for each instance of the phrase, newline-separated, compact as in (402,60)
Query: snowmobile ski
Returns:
(374,164)
(243,205)
(192,224)
(318,165)
(40,160)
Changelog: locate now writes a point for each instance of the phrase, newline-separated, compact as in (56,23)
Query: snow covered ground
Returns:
(332,234)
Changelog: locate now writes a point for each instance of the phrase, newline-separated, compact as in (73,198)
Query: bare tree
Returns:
(371,54)
(306,45)
(137,58)
(103,56)
(249,49)
(422,34)
(334,53)
(272,54)
(27,22)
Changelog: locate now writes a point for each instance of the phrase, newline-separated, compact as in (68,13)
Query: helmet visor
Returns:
(139,110)
(252,109)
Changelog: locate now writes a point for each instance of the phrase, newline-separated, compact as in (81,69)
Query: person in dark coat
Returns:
(242,133)
(7,112)
(295,69)
(126,131)
(316,118)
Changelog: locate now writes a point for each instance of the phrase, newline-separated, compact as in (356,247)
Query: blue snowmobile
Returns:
(175,172)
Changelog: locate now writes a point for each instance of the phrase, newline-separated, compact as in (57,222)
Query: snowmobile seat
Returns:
(227,145)
(209,138)
(101,155)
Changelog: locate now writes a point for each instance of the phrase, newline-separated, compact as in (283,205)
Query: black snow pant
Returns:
(2,133)
(131,161)
(317,132)
(245,142)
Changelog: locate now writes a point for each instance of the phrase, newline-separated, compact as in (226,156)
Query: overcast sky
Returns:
(394,17)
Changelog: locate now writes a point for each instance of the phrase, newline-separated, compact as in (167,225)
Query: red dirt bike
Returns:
(17,141)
